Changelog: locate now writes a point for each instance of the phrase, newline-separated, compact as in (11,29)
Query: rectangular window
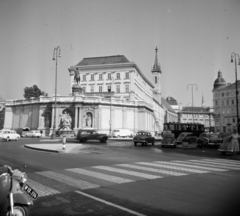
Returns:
(118,75)
(92,88)
(222,103)
(216,103)
(127,75)
(227,102)
(222,94)
(233,101)
(118,88)
(100,76)
(233,120)
(109,76)
(84,77)
(100,88)
(127,88)
(109,88)
(92,77)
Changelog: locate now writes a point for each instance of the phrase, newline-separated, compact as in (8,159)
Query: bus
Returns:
(176,128)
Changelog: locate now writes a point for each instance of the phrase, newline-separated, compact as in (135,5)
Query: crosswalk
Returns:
(47,183)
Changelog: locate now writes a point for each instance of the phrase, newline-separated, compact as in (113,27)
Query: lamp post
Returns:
(236,57)
(192,95)
(110,122)
(56,54)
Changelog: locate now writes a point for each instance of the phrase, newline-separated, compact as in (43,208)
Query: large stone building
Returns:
(224,104)
(114,94)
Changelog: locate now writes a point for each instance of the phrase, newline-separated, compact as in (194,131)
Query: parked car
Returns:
(33,133)
(84,135)
(143,137)
(168,140)
(122,133)
(209,140)
(226,145)
(186,137)
(8,135)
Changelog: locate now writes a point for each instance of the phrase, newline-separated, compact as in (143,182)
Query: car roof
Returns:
(186,133)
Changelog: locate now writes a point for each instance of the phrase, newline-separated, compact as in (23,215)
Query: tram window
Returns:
(171,127)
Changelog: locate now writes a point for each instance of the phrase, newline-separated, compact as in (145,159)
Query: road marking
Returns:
(216,164)
(68,180)
(128,172)
(237,163)
(42,190)
(106,177)
(172,166)
(190,164)
(167,172)
(111,204)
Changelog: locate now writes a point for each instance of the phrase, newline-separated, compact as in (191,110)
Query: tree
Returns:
(34,92)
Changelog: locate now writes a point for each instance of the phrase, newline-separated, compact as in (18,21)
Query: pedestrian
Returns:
(41,132)
(234,142)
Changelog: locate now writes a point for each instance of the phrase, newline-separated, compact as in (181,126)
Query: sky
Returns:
(195,38)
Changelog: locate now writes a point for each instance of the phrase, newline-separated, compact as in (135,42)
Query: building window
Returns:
(216,103)
(84,89)
(84,77)
(118,88)
(118,75)
(92,88)
(109,88)
(222,94)
(233,101)
(127,75)
(100,76)
(155,79)
(100,88)
(222,103)
(127,88)
(109,76)
(92,77)
(233,120)
(227,102)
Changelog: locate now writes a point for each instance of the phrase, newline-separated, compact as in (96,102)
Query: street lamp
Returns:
(110,122)
(235,56)
(192,96)
(56,54)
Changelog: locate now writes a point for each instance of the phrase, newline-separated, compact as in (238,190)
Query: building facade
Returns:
(115,94)
(225,104)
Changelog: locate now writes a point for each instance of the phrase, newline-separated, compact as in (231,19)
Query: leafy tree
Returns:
(34,92)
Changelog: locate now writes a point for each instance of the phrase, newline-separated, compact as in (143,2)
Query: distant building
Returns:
(224,104)
(115,94)
(201,115)
(173,103)
(2,113)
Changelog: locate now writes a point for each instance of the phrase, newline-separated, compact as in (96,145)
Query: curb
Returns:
(47,150)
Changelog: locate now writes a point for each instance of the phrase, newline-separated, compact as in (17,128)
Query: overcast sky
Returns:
(194,38)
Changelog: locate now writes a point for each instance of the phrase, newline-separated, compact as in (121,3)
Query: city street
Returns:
(118,178)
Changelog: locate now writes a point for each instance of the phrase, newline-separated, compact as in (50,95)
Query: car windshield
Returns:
(182,135)
(214,136)
(141,133)
(203,135)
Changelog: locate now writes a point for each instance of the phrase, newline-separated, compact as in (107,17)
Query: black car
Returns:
(84,135)
(143,137)
(209,140)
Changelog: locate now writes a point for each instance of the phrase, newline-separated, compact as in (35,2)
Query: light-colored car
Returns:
(8,135)
(122,133)
(33,133)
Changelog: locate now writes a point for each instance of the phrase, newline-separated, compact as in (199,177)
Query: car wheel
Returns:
(223,153)
(83,140)
(153,142)
(103,140)
(146,143)
(135,143)
(118,136)
(17,139)
(7,139)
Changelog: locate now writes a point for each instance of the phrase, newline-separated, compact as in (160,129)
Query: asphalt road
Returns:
(118,178)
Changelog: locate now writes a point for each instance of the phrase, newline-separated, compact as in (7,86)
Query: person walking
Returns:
(234,142)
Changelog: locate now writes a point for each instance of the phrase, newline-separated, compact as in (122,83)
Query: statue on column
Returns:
(77,77)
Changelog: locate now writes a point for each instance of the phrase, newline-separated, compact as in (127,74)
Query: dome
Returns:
(219,82)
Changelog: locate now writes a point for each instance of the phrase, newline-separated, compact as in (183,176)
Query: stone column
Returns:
(76,118)
(124,121)
(80,117)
